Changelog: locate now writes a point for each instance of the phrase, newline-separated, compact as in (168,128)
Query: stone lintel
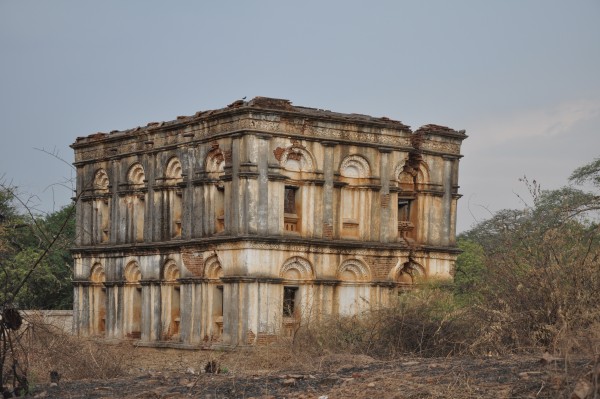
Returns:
(150,282)
(117,283)
(323,281)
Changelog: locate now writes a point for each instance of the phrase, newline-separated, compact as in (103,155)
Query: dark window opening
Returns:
(289,301)
(219,299)
(406,216)
(290,210)
(289,201)
(403,210)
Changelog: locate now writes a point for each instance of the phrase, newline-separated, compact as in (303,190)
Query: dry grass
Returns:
(47,348)
(336,369)
(421,323)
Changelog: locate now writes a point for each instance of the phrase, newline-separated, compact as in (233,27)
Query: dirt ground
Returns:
(281,373)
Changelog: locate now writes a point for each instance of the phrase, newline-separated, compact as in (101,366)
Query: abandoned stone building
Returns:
(234,225)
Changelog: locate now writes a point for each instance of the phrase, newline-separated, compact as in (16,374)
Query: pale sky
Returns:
(521,77)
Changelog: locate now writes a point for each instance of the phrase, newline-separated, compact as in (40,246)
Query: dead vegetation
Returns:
(423,323)
(340,358)
(48,349)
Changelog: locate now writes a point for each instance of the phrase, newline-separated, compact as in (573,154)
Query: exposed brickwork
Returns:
(327,230)
(265,339)
(262,339)
(294,156)
(381,266)
(278,152)
(193,261)
(250,337)
(227,155)
(385,200)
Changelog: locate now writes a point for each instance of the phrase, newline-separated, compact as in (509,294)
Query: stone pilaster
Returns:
(263,184)
(329,222)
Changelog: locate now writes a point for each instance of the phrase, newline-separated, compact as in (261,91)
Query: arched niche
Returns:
(215,161)
(354,270)
(355,166)
(297,268)
(407,272)
(174,171)
(136,175)
(297,159)
(97,274)
(101,181)
(170,271)
(212,268)
(132,272)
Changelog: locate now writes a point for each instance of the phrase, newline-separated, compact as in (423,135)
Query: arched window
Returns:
(132,301)
(171,301)
(412,176)
(135,204)
(292,209)
(101,208)
(97,300)
(353,168)
(213,272)
(295,160)
(215,166)
(295,271)
(174,199)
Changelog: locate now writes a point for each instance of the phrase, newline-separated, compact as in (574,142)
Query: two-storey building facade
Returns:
(234,225)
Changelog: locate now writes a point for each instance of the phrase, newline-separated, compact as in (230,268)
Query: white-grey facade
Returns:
(234,225)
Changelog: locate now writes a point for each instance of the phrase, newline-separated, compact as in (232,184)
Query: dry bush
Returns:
(424,322)
(541,291)
(48,348)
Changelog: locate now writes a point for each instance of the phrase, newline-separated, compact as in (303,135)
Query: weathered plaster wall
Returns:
(191,230)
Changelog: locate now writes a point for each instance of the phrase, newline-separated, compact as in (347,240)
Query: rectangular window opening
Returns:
(289,301)
(291,217)
(219,300)
(403,210)
(289,201)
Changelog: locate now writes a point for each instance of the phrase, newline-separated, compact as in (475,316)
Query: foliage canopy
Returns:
(537,270)
(35,263)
